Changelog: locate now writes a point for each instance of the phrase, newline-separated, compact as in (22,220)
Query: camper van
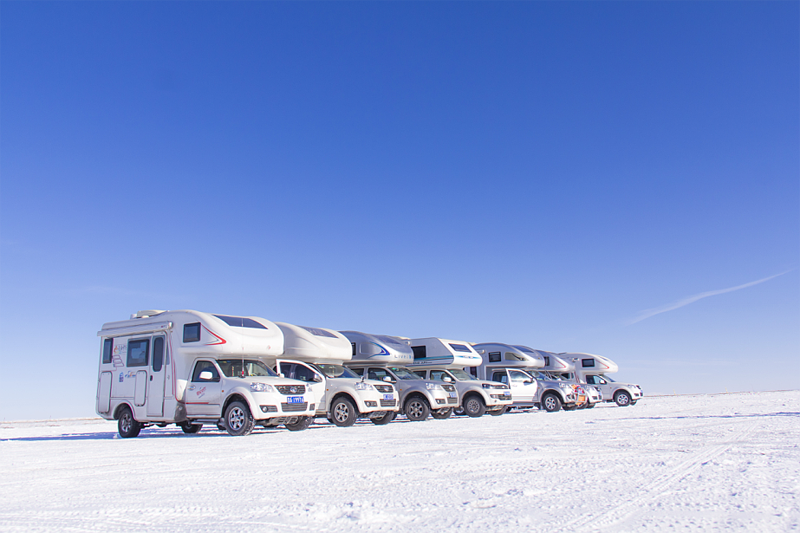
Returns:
(592,369)
(191,368)
(384,358)
(315,356)
(444,360)
(519,367)
(560,369)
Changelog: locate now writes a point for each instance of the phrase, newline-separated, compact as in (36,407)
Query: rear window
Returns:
(460,347)
(241,322)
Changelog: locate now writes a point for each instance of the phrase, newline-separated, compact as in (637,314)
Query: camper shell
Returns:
(592,370)
(385,358)
(192,368)
(444,360)
(316,356)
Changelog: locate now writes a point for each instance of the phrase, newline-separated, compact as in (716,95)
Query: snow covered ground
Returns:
(702,462)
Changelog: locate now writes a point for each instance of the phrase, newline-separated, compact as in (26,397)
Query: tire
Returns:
(343,413)
(551,403)
(385,419)
(633,402)
(498,412)
(302,423)
(622,398)
(474,406)
(571,407)
(459,411)
(417,409)
(189,428)
(441,414)
(127,425)
(238,420)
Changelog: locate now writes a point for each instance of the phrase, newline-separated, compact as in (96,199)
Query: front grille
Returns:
(449,388)
(291,389)
(289,407)
(452,400)
(388,403)
(384,388)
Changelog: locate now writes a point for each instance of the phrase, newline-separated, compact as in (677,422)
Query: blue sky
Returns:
(535,173)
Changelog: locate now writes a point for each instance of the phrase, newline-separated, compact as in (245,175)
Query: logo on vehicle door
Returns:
(201,392)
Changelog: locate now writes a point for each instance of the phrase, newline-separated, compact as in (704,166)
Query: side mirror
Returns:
(205,375)
(528,381)
(317,378)
(387,379)
(447,379)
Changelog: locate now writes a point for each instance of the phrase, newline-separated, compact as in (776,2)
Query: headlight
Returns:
(433,386)
(261,387)
(364,386)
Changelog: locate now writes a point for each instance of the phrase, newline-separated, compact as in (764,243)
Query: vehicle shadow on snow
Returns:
(145,434)
(709,417)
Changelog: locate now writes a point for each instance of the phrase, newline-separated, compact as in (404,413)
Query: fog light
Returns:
(439,401)
(370,403)
(269,409)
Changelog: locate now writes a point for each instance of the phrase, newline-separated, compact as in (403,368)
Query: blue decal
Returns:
(382,352)
(120,377)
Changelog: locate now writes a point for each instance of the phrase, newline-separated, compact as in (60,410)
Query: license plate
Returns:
(388,397)
(294,399)
(506,393)
(454,395)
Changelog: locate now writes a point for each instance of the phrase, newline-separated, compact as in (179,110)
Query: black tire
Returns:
(633,402)
(385,419)
(571,407)
(551,403)
(238,419)
(459,411)
(417,409)
(302,423)
(189,428)
(622,398)
(473,405)
(343,412)
(127,425)
(441,414)
(498,412)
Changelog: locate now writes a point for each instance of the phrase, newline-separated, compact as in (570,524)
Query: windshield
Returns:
(403,373)
(243,368)
(336,371)
(461,375)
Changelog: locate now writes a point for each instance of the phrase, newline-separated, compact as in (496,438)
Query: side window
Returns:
(437,375)
(359,371)
(473,371)
(354,347)
(108,350)
(500,376)
(546,361)
(377,373)
(517,377)
(158,354)
(205,366)
(494,357)
(287,369)
(137,352)
(303,373)
(420,352)
(191,332)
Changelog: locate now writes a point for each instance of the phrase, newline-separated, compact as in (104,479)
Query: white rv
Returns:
(444,360)
(384,358)
(592,369)
(561,369)
(191,368)
(315,356)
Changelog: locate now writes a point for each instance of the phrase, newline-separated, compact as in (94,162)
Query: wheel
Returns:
(417,409)
(190,428)
(343,412)
(633,402)
(498,412)
(551,403)
(238,420)
(441,414)
(385,419)
(622,398)
(474,406)
(127,425)
(459,411)
(302,423)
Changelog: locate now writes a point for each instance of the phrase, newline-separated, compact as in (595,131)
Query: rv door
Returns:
(158,371)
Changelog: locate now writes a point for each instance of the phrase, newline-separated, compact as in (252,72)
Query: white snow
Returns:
(701,462)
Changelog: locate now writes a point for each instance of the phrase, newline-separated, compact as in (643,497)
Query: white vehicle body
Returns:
(384,357)
(315,356)
(593,369)
(190,368)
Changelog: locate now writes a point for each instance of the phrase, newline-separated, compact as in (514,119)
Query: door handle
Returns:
(151,378)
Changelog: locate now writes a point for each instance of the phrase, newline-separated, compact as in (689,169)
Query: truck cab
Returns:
(594,369)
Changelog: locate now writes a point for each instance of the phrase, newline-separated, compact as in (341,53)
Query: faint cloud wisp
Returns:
(691,299)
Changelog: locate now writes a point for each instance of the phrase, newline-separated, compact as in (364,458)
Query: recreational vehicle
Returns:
(560,369)
(315,356)
(444,360)
(191,368)
(592,369)
(518,367)
(384,357)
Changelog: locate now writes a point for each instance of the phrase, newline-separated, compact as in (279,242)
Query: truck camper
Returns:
(315,356)
(519,367)
(384,358)
(592,369)
(191,368)
(560,369)
(444,360)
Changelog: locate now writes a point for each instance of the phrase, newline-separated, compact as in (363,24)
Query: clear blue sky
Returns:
(538,173)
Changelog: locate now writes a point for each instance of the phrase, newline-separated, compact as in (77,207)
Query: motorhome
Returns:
(519,367)
(560,369)
(593,369)
(444,360)
(384,357)
(315,356)
(192,368)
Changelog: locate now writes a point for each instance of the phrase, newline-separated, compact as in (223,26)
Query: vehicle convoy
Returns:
(315,356)
(383,357)
(592,369)
(518,366)
(191,368)
(443,360)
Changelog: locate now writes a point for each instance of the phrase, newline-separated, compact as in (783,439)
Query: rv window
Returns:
(546,361)
(494,357)
(511,356)
(420,352)
(191,332)
(137,352)
(460,348)
(108,350)
(241,322)
(370,348)
(354,347)
(205,366)
(319,332)
(389,340)
(525,349)
(158,354)
(587,363)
